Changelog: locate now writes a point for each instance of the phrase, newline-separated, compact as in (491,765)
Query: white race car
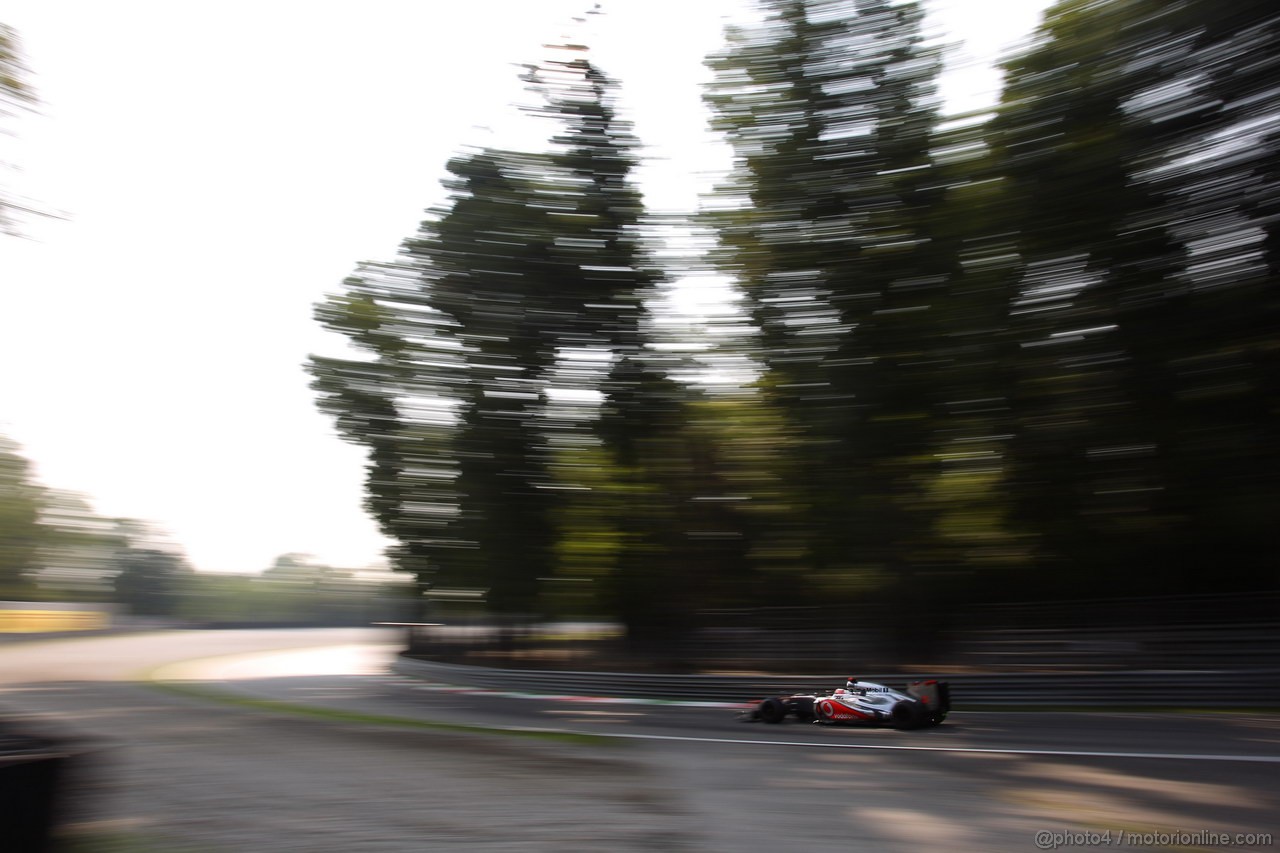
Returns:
(925,703)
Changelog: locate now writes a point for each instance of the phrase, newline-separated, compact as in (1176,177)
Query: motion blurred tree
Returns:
(829,225)
(78,547)
(1136,146)
(52,543)
(537,259)
(400,404)
(299,567)
(20,531)
(16,96)
(1061,152)
(150,582)
(1203,333)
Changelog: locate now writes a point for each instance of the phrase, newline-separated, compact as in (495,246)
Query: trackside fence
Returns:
(1259,688)
(1197,633)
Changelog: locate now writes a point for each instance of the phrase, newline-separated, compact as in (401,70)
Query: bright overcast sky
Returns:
(221,166)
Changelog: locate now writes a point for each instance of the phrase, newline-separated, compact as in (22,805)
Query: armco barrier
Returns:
(1163,688)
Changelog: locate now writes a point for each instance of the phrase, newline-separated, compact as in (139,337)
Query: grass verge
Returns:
(334,715)
(75,840)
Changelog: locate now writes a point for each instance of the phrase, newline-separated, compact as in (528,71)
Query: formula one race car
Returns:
(925,703)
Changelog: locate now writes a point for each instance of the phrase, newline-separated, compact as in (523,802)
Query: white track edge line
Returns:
(1062,753)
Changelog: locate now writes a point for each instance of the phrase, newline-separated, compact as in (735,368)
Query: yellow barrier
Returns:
(41,621)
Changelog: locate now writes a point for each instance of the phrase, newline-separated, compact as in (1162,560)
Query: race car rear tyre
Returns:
(937,719)
(772,711)
(907,715)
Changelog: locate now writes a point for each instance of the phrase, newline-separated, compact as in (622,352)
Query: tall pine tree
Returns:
(829,225)
(536,259)
(1137,149)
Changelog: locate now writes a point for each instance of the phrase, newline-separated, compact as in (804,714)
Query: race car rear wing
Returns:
(935,694)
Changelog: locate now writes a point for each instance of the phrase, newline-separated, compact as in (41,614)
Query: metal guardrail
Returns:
(1258,688)
(786,642)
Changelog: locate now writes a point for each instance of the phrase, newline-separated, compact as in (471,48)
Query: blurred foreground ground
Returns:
(172,774)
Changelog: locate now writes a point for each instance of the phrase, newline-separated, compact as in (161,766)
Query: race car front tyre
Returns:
(772,711)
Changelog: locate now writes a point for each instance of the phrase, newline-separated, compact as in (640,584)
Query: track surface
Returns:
(685,779)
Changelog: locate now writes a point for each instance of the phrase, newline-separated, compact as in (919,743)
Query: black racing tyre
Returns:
(938,718)
(907,715)
(772,711)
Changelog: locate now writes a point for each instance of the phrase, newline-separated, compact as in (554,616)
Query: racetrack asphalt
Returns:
(684,778)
